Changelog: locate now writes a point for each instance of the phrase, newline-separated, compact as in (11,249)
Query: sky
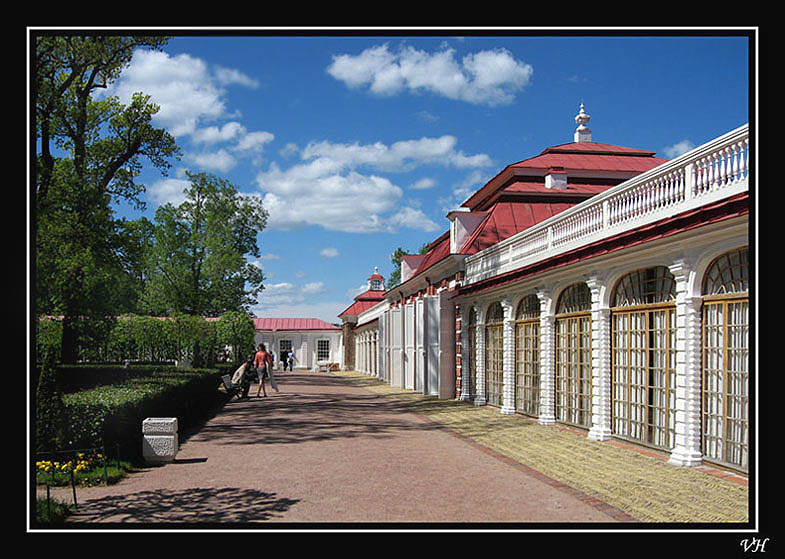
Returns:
(362,143)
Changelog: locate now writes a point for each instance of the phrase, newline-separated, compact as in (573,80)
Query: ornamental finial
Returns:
(582,133)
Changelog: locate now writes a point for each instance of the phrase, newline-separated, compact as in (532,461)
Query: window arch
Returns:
(643,342)
(645,287)
(494,354)
(575,298)
(728,273)
(527,356)
(726,359)
(572,403)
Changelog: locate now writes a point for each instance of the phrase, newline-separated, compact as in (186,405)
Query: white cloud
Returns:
(400,156)
(230,76)
(423,184)
(677,149)
(327,190)
(221,160)
(329,252)
(269,256)
(487,77)
(168,190)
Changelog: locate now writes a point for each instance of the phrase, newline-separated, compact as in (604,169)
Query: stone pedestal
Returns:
(160,443)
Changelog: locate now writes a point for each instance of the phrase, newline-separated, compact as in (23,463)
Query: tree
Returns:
(198,262)
(236,329)
(396,257)
(89,151)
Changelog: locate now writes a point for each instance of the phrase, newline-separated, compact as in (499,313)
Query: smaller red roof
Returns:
(276,324)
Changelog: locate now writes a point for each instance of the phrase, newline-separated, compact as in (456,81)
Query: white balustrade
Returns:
(711,172)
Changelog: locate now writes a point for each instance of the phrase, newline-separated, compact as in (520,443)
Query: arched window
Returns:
(573,356)
(725,359)
(643,340)
(494,354)
(472,353)
(527,356)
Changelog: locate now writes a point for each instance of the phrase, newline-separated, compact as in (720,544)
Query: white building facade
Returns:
(626,315)
(315,343)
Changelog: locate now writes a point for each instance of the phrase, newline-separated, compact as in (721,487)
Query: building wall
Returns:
(304,344)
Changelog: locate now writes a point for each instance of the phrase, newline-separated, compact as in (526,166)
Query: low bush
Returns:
(112,414)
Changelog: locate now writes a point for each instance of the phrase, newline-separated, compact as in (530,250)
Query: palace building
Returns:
(593,285)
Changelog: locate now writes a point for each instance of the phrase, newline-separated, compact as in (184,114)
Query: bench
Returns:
(231,389)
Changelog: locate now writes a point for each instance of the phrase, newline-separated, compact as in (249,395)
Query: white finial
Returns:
(376,269)
(582,133)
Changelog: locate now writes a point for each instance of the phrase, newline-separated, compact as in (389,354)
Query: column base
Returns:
(684,457)
(479,401)
(599,434)
(464,398)
(507,410)
(546,420)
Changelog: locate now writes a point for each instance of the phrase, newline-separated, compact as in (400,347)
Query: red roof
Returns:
(364,301)
(508,218)
(274,324)
(576,159)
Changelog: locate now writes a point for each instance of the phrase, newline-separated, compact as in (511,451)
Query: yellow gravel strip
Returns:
(646,488)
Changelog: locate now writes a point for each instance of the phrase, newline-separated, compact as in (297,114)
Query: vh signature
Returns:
(754,545)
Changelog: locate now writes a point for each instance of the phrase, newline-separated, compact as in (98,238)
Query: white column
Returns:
(508,344)
(547,360)
(465,365)
(600,364)
(479,358)
(687,446)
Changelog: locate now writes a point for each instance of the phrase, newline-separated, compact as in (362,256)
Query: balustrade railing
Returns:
(713,171)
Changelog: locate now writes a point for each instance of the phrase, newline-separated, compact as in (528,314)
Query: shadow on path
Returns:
(184,506)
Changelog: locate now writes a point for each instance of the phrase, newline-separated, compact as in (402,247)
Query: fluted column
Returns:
(547,360)
(479,358)
(600,364)
(508,355)
(465,365)
(687,445)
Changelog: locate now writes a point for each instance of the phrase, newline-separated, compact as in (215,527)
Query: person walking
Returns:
(290,357)
(263,363)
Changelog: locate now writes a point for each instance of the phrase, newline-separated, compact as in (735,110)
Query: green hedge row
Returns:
(112,414)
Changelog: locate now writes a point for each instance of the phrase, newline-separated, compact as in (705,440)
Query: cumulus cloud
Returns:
(191,95)
(329,252)
(331,188)
(168,190)
(490,77)
(677,149)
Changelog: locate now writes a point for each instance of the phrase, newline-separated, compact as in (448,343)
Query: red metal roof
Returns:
(574,158)
(508,218)
(360,306)
(274,324)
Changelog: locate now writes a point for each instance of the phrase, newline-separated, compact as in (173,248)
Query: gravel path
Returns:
(328,452)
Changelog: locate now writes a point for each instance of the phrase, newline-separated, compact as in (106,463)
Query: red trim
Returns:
(730,207)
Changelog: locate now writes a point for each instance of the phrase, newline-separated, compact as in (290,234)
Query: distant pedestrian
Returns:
(290,358)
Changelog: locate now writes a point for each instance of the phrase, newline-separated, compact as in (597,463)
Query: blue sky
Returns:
(361,144)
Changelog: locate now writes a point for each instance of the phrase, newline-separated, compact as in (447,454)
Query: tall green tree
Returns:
(395,276)
(199,263)
(89,152)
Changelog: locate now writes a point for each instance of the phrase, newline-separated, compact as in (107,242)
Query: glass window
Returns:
(322,350)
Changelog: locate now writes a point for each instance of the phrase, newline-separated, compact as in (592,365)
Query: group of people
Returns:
(261,364)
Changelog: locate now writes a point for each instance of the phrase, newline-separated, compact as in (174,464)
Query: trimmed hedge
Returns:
(112,414)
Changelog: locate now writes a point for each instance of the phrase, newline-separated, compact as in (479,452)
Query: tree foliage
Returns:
(89,152)
(198,264)
(396,257)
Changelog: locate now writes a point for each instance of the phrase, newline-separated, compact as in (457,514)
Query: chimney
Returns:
(556,178)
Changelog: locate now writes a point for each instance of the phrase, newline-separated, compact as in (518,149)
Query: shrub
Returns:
(113,414)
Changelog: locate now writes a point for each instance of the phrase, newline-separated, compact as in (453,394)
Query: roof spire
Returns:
(582,133)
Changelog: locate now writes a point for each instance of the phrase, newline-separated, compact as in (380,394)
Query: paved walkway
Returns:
(328,449)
